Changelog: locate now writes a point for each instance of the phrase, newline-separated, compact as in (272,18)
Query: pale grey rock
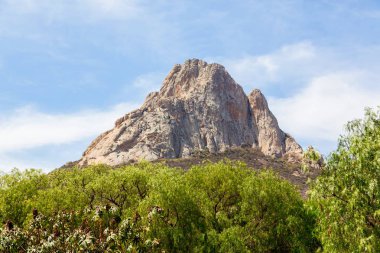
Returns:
(199,107)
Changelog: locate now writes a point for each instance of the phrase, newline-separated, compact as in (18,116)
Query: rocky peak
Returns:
(271,139)
(194,77)
(199,107)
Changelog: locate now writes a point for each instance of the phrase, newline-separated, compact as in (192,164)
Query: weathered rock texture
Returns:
(199,107)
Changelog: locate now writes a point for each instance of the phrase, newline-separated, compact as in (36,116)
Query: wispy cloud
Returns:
(113,25)
(42,21)
(112,9)
(276,67)
(56,10)
(149,82)
(29,128)
(318,112)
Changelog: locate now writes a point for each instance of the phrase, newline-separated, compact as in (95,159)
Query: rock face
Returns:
(199,107)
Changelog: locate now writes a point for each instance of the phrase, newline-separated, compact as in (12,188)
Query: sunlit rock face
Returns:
(199,107)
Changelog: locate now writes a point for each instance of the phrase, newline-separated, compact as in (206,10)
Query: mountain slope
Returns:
(255,160)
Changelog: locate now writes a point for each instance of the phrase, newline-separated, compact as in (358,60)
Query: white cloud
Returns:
(281,65)
(149,82)
(28,128)
(319,111)
(33,19)
(8,162)
(121,26)
(113,9)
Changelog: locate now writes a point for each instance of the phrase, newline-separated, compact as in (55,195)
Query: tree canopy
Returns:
(346,196)
(214,207)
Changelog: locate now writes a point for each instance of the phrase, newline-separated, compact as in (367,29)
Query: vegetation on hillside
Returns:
(212,207)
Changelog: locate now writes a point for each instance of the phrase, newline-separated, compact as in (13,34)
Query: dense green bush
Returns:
(221,207)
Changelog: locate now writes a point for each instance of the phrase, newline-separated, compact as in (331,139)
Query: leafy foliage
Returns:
(214,207)
(312,159)
(346,197)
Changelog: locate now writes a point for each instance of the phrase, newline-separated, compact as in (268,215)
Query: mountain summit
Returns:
(199,107)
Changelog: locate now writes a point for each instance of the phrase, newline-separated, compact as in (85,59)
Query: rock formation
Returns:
(199,107)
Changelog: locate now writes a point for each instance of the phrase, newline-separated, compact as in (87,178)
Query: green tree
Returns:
(16,192)
(274,216)
(216,186)
(174,217)
(68,189)
(347,194)
(123,187)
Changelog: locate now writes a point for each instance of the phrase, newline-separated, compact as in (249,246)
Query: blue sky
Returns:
(69,68)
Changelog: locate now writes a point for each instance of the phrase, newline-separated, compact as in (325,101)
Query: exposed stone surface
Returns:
(271,139)
(199,107)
